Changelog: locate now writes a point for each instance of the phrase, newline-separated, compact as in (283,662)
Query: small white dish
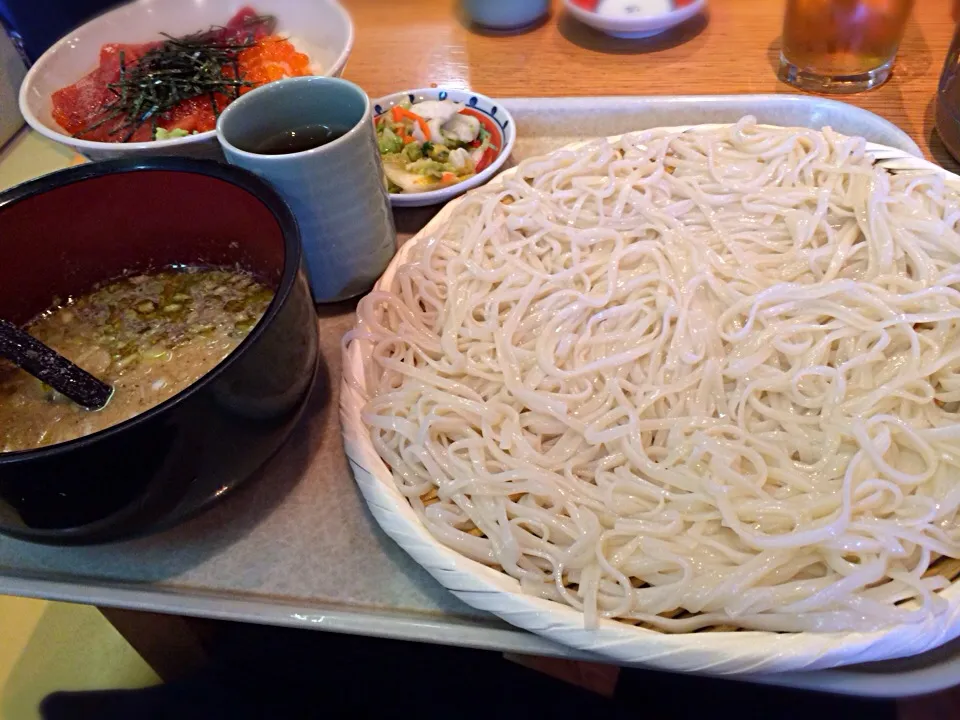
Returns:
(320,28)
(633,19)
(491,114)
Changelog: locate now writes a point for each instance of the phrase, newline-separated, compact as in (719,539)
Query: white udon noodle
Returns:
(711,371)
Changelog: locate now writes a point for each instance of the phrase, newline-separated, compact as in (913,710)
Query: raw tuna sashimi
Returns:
(82,108)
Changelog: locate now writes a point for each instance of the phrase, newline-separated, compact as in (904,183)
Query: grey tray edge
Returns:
(892,679)
(397,625)
(445,631)
(641,112)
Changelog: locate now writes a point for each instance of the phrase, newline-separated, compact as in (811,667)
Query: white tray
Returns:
(545,124)
(297,548)
(493,591)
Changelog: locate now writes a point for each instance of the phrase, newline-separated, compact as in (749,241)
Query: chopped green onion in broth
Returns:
(150,336)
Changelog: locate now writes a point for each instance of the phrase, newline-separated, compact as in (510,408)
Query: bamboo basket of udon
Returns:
(684,398)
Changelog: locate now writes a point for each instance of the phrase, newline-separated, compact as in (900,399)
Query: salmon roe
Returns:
(271,59)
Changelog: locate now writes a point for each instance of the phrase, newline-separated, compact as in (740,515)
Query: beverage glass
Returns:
(841,46)
(948,92)
(336,190)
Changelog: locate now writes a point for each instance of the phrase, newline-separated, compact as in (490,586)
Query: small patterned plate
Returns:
(495,118)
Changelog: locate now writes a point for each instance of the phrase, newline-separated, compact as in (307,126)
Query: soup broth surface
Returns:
(150,336)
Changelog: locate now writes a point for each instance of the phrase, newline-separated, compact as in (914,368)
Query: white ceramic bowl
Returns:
(480,103)
(320,28)
(634,25)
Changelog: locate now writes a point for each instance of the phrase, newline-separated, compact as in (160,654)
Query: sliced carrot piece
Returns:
(489,155)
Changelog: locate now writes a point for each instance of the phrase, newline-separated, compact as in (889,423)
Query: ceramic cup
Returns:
(506,14)
(336,191)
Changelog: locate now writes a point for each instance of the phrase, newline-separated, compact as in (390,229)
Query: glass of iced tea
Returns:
(837,46)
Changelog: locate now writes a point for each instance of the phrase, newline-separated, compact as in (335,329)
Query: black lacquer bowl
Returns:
(63,233)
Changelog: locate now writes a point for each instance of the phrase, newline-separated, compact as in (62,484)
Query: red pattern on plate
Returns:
(592,5)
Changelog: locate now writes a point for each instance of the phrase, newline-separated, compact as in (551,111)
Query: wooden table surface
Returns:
(413,43)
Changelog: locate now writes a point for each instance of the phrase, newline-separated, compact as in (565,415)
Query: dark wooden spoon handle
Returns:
(31,355)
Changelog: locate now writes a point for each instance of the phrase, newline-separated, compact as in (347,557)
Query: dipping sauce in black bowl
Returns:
(70,232)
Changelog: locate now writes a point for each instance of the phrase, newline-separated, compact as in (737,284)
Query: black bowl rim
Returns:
(244,179)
